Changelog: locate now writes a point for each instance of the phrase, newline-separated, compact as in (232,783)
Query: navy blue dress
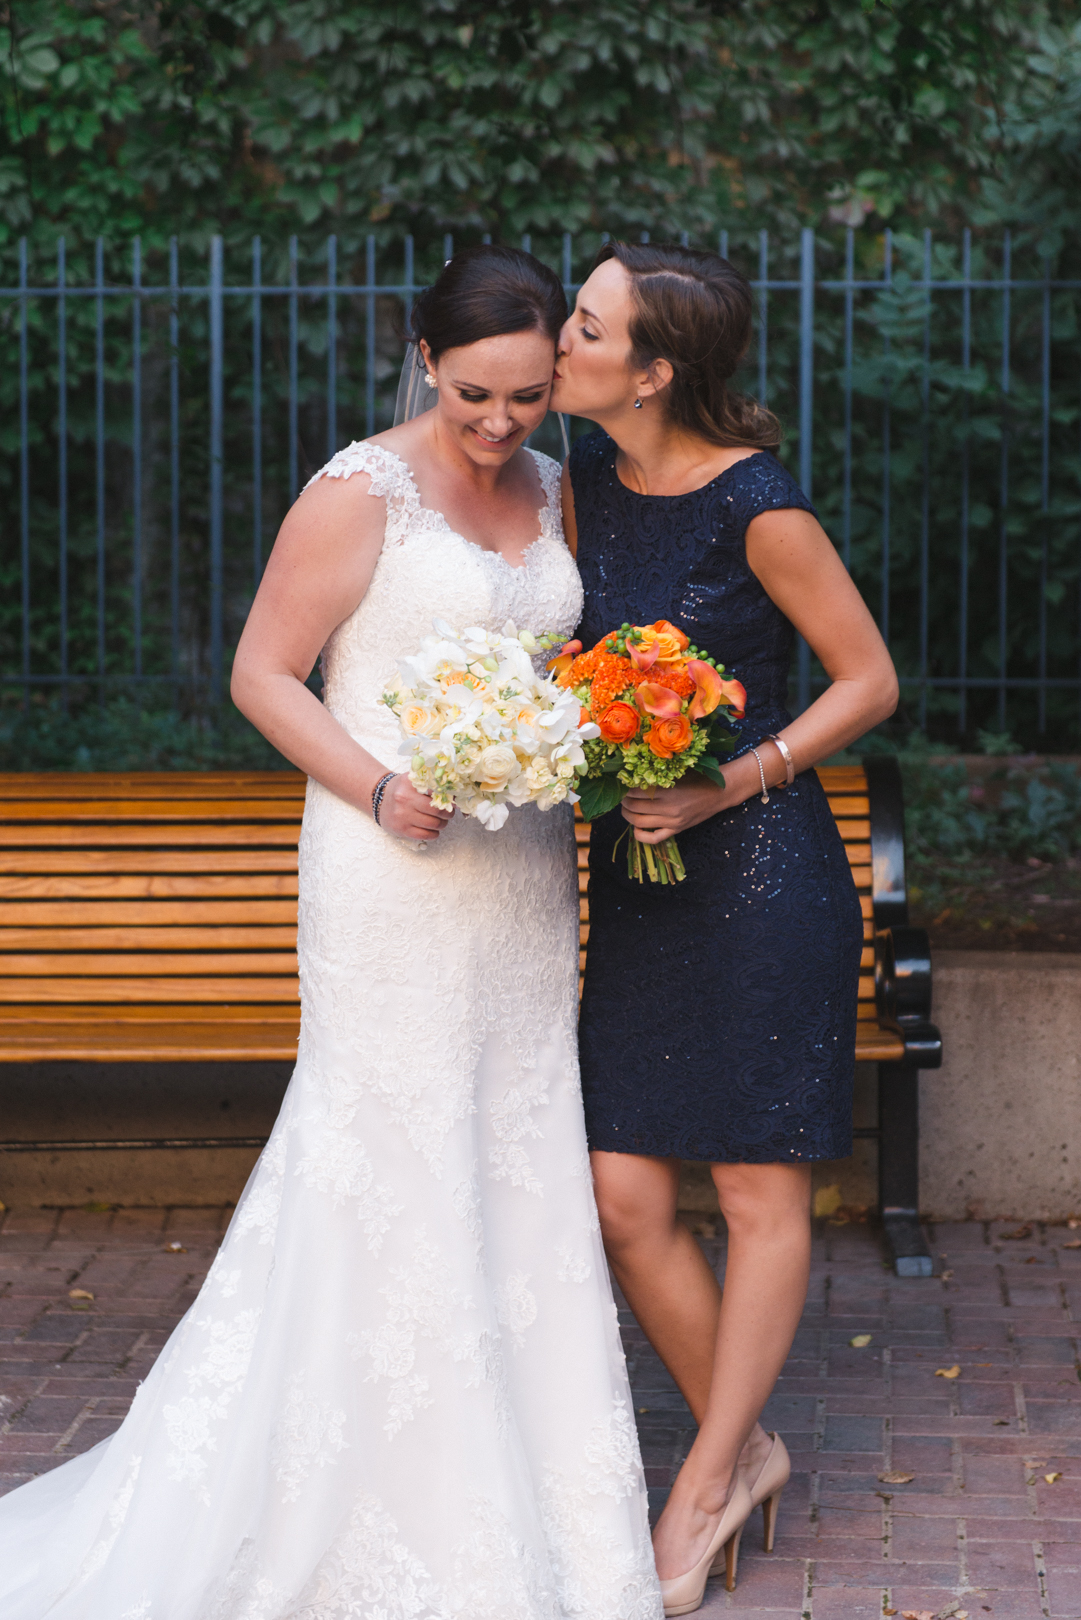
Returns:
(719,1015)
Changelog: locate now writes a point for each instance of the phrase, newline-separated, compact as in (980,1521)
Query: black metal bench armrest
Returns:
(903,992)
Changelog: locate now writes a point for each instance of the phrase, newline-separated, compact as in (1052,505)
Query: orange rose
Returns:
(665,629)
(619,723)
(671,736)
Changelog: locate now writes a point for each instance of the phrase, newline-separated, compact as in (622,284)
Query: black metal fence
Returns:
(154,429)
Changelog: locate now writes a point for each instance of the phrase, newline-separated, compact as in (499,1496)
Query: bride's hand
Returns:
(409,814)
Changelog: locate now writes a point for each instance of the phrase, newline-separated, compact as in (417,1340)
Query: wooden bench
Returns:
(151,917)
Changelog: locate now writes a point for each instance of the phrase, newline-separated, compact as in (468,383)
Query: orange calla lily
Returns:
(657,700)
(560,664)
(734,694)
(644,655)
(708,688)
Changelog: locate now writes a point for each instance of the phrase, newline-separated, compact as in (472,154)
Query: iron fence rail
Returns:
(906,361)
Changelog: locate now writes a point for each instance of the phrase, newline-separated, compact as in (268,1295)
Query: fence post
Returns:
(806,420)
(216,365)
(137,452)
(62,446)
(24,468)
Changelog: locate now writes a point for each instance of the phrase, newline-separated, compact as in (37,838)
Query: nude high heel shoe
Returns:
(684,1593)
(765,1489)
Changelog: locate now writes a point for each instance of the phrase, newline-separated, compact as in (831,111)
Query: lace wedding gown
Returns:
(400,1393)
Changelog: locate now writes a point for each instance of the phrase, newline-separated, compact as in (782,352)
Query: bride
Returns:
(400,1394)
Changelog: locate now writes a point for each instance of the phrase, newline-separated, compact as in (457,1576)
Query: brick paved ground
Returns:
(978,1530)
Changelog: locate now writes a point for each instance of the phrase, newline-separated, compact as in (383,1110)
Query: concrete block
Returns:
(1000,1122)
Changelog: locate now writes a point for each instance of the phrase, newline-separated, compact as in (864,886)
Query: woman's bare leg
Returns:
(767,1209)
(663,1273)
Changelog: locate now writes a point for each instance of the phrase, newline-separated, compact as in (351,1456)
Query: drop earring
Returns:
(638,404)
(430,380)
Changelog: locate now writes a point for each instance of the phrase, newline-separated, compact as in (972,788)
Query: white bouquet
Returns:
(483,729)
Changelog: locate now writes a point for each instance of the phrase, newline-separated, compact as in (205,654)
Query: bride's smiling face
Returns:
(493,394)
(593,376)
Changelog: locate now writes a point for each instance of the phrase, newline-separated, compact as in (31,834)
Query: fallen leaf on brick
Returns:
(642,1410)
(1074,1243)
(889,1611)
(1019,1233)
(1073,1223)
(1032,1260)
(79,1293)
(948,1372)
(917,1614)
(896,1478)
(1051,1478)
(828,1200)
(861,1341)
(1001,1423)
(945,1275)
(175,1248)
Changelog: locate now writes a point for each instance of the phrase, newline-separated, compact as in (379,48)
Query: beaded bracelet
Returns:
(378,791)
(764,796)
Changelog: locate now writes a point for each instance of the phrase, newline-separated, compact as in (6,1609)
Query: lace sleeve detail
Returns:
(390,476)
(549,473)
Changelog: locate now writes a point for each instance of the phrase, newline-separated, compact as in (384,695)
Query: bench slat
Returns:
(147,886)
(175,938)
(58,913)
(156,964)
(60,836)
(167,810)
(148,785)
(85,861)
(149,989)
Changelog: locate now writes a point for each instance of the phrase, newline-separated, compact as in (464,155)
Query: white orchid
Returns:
(482,729)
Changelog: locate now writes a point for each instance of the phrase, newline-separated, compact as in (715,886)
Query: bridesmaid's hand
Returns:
(409,814)
(660,813)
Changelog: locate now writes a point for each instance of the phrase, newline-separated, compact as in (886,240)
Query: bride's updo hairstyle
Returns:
(693,309)
(484,292)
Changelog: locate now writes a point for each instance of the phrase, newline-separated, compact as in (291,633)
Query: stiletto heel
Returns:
(731,1561)
(769,1519)
(684,1593)
(765,1489)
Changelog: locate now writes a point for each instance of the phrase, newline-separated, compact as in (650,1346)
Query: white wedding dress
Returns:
(400,1393)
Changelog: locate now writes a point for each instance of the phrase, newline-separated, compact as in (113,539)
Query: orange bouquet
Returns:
(662,707)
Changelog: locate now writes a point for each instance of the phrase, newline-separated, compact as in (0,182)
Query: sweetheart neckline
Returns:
(432,511)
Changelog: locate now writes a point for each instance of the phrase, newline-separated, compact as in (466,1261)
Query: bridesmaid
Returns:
(718,1018)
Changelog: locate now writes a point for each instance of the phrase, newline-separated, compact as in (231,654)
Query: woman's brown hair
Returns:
(693,309)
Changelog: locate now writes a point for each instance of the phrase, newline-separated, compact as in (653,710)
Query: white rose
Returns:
(495,766)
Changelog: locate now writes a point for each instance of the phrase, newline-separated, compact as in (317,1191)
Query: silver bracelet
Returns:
(378,791)
(789,762)
(762,774)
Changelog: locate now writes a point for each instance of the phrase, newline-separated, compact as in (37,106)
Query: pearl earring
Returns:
(430,380)
(638,404)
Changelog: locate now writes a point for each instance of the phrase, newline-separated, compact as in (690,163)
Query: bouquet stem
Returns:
(662,863)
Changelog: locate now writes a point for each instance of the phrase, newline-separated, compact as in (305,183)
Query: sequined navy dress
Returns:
(718,1017)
